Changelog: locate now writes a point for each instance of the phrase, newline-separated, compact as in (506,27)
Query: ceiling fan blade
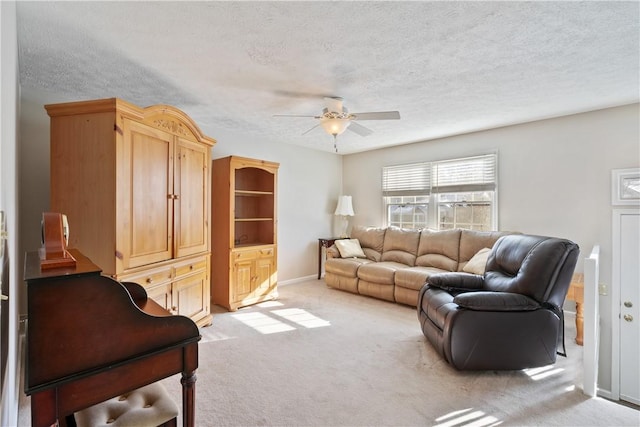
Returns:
(306,132)
(304,95)
(334,104)
(294,115)
(359,129)
(380,115)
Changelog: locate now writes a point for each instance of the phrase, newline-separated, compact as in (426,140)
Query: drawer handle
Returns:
(149,280)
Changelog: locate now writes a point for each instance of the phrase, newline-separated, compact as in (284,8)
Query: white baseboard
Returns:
(298,280)
(606,394)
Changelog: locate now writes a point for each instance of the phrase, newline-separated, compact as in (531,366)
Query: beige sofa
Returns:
(395,263)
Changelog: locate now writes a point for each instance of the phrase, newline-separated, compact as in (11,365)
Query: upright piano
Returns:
(91,338)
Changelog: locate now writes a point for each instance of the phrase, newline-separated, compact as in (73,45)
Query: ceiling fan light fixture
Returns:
(334,126)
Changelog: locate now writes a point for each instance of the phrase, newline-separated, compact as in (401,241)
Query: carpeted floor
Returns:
(323,357)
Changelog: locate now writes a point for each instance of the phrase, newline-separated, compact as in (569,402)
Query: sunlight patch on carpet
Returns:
(301,317)
(467,418)
(263,323)
(288,320)
(542,372)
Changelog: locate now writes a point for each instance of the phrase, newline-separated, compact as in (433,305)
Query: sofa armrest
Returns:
(456,282)
(333,252)
(495,301)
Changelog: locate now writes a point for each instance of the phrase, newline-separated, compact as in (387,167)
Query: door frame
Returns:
(615,296)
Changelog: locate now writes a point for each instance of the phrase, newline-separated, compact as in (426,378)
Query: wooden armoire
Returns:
(244,218)
(135,185)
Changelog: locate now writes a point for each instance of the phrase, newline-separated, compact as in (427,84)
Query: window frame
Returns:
(482,178)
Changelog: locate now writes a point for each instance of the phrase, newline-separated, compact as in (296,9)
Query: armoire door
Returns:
(146,195)
(191,204)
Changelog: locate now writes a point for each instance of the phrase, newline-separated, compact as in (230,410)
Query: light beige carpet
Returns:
(323,357)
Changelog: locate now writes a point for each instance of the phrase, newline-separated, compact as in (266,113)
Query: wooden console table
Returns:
(325,242)
(576,293)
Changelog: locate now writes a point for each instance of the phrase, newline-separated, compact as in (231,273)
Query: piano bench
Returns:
(147,406)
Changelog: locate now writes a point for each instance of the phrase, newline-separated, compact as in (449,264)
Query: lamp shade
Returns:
(345,206)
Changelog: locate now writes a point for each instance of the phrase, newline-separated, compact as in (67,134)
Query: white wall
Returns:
(554,179)
(9,112)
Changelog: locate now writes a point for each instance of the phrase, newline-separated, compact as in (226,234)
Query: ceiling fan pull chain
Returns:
(335,142)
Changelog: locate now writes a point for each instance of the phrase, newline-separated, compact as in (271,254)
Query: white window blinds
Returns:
(406,180)
(448,176)
(463,175)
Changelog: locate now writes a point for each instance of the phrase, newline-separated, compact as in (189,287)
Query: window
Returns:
(457,193)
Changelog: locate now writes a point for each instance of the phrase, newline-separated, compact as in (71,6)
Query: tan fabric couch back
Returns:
(371,240)
(401,245)
(472,241)
(439,249)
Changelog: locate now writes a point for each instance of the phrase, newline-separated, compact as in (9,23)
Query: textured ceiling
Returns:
(448,67)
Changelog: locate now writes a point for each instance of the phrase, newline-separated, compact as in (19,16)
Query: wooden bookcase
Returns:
(244,231)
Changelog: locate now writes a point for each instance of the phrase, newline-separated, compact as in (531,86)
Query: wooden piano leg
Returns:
(43,408)
(188,382)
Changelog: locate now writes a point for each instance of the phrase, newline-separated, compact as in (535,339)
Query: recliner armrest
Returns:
(496,301)
(456,282)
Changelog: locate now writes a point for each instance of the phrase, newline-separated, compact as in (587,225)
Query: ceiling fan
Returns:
(335,119)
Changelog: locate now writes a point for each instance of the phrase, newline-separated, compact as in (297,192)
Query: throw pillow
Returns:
(478,262)
(350,248)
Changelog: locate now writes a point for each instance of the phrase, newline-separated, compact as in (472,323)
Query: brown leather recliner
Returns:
(509,318)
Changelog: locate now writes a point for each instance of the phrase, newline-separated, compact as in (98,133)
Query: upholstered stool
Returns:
(148,406)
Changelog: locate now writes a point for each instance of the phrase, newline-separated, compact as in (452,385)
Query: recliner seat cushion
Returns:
(414,277)
(379,272)
(347,267)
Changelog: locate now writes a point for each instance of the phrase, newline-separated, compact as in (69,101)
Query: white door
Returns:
(629,279)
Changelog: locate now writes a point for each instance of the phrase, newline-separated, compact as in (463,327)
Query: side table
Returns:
(325,242)
(576,293)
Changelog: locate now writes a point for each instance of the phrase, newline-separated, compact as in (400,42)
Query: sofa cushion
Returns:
(347,267)
(478,262)
(439,249)
(371,240)
(415,277)
(401,245)
(379,272)
(472,241)
(350,248)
